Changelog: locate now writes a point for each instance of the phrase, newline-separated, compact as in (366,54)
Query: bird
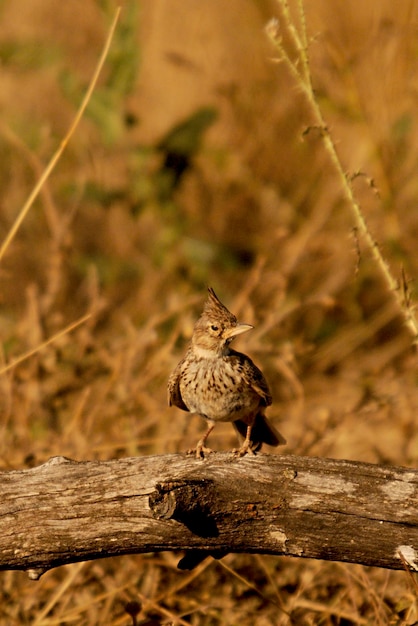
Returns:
(222,385)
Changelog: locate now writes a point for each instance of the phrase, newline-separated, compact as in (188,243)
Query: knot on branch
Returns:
(189,502)
(36,572)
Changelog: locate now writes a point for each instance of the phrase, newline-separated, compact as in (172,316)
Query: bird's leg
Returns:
(201,449)
(246,444)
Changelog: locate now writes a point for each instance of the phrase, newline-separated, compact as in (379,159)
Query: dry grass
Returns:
(262,216)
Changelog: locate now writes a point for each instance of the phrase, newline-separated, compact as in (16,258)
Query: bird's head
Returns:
(216,327)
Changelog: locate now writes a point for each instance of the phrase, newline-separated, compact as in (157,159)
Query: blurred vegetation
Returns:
(198,164)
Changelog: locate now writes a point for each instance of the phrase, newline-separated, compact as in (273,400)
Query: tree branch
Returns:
(65,511)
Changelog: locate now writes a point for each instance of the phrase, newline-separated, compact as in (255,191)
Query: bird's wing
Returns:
(254,378)
(174,395)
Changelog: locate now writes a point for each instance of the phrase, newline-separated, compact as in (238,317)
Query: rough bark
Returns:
(65,511)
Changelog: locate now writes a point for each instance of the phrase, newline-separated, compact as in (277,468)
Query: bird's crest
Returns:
(214,308)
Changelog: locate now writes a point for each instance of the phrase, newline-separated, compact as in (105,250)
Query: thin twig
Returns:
(300,70)
(56,157)
(42,345)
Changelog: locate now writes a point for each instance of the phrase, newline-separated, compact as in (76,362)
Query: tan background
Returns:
(259,216)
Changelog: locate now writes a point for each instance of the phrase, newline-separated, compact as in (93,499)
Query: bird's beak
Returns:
(238,330)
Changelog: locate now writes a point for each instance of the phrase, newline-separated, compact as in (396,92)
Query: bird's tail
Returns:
(262,432)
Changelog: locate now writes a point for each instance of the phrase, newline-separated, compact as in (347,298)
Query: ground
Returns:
(200,162)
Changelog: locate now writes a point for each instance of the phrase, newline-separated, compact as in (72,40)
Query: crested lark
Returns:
(220,384)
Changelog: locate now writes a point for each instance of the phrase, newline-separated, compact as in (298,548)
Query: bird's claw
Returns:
(200,451)
(243,450)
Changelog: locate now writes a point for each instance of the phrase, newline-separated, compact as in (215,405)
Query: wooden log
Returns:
(66,511)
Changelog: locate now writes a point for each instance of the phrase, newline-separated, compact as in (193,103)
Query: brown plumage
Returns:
(220,384)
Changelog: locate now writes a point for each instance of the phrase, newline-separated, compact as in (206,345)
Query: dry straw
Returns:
(44,177)
(56,157)
(301,72)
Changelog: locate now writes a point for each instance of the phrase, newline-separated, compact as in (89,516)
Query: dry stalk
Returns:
(57,155)
(301,72)
(38,348)
(42,180)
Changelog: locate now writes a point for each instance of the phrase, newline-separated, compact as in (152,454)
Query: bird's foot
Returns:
(246,448)
(200,451)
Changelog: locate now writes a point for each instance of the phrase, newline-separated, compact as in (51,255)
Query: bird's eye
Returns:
(214,327)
